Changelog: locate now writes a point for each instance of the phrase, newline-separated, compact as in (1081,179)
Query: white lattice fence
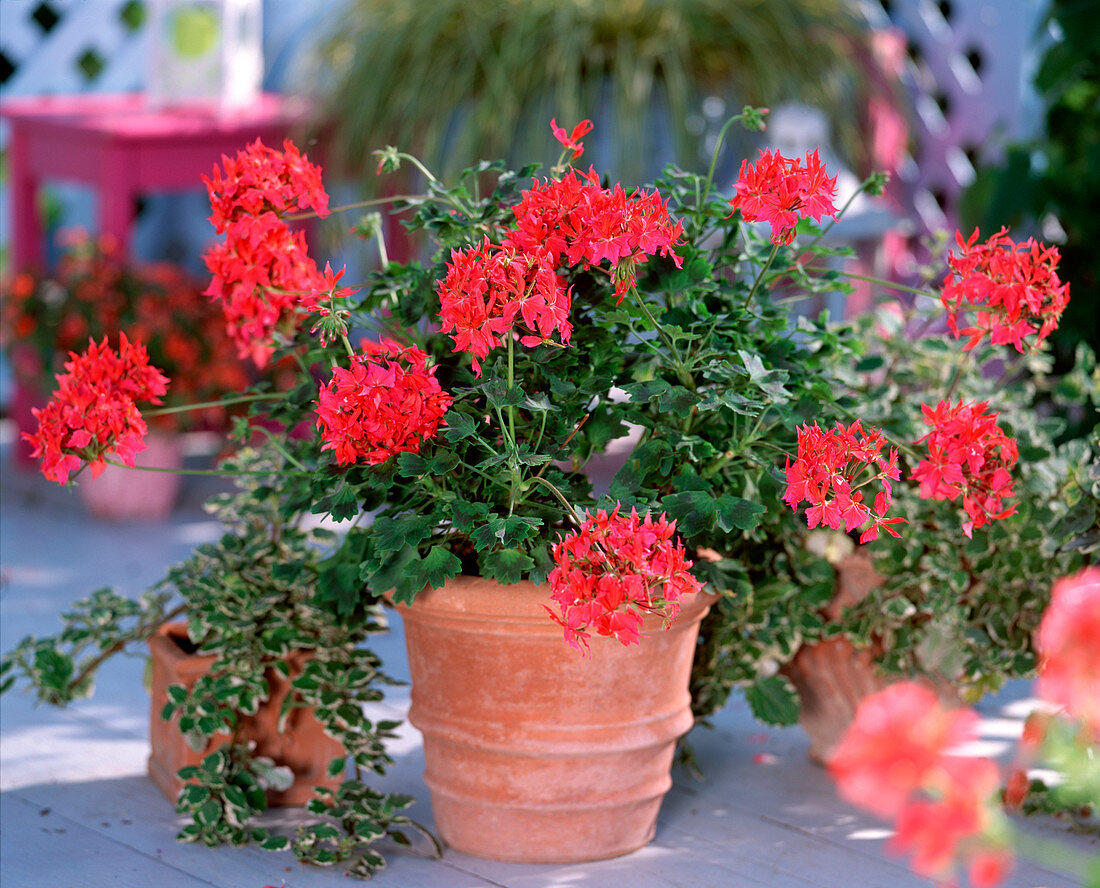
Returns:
(968,69)
(70,46)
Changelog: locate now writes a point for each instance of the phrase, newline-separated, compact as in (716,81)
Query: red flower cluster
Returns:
(579,222)
(895,761)
(782,191)
(1013,290)
(613,571)
(93,413)
(571,221)
(1069,647)
(262,270)
(968,455)
(387,402)
(488,288)
(825,471)
(573,140)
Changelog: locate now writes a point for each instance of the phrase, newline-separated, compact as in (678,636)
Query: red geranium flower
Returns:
(386,402)
(613,571)
(782,191)
(969,456)
(825,474)
(573,140)
(1012,289)
(93,414)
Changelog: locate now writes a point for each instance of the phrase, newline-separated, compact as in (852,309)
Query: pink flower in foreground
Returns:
(1069,648)
(613,571)
(1012,289)
(896,761)
(895,745)
(386,402)
(783,191)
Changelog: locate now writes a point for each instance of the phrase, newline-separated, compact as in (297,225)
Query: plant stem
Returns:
(282,450)
(383,256)
(882,283)
(295,217)
(213,472)
(837,217)
(576,429)
(681,369)
(760,277)
(202,405)
(570,513)
(960,366)
(714,159)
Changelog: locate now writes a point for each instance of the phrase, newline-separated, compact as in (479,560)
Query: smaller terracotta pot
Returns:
(124,494)
(303,746)
(833,677)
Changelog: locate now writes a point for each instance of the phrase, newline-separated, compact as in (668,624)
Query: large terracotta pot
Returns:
(303,746)
(833,677)
(125,494)
(533,752)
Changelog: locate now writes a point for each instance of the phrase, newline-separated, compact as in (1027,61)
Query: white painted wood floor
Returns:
(77,810)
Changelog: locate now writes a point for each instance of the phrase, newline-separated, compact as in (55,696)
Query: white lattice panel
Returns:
(968,70)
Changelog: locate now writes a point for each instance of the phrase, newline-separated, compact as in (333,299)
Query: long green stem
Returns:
(681,368)
(202,405)
(836,218)
(271,439)
(714,160)
(220,473)
(882,283)
(570,513)
(960,367)
(760,277)
(359,204)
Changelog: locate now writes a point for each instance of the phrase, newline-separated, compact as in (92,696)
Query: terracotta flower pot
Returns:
(533,752)
(833,677)
(124,494)
(303,746)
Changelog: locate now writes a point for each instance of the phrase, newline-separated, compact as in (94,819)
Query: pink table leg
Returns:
(26,230)
(117,196)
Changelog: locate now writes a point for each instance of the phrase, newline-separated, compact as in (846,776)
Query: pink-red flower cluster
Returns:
(570,221)
(613,571)
(579,222)
(826,474)
(1012,289)
(262,270)
(386,402)
(783,190)
(489,288)
(1069,648)
(896,760)
(93,413)
(969,456)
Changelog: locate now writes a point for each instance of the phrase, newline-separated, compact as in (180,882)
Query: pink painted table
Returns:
(122,148)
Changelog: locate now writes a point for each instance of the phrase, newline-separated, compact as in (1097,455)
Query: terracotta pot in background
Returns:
(124,494)
(303,746)
(833,677)
(533,752)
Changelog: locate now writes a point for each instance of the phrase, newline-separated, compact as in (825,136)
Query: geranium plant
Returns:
(445,411)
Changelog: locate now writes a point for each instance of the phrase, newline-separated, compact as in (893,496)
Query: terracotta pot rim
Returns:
(472,599)
(162,641)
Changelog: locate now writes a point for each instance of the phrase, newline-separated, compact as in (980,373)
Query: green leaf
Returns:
(740,513)
(438,566)
(459,426)
(768,381)
(773,700)
(694,510)
(505,565)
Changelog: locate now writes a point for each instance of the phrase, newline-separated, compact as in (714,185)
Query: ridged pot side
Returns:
(535,753)
(303,746)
